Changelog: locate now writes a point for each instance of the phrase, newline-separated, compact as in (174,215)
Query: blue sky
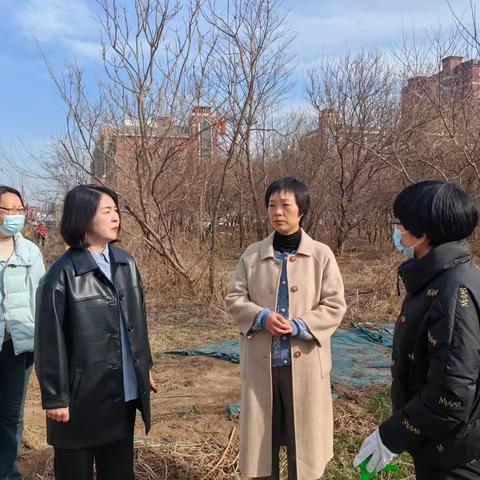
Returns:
(67,30)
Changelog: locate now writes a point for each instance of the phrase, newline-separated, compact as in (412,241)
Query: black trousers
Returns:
(113,461)
(430,472)
(283,427)
(15,372)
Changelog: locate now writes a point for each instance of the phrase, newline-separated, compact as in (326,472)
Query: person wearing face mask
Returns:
(92,351)
(435,389)
(287,298)
(21,266)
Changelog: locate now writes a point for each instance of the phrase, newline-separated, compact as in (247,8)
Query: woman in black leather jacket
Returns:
(92,351)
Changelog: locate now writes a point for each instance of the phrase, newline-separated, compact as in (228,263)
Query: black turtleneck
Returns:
(287,243)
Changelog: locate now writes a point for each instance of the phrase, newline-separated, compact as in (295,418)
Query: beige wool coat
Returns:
(316,295)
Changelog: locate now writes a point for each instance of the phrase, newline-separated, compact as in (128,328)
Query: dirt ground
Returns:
(190,406)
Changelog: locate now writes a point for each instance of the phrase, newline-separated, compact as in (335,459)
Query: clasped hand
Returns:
(277,324)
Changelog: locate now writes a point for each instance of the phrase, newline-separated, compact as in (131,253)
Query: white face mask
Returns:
(409,252)
(12,225)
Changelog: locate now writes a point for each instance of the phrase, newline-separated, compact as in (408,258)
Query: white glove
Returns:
(374,447)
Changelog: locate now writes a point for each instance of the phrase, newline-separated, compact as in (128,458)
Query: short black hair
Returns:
(440,210)
(5,189)
(79,208)
(292,185)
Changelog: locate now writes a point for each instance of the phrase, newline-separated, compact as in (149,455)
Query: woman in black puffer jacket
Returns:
(436,347)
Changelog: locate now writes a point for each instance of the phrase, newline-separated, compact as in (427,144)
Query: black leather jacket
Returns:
(78,353)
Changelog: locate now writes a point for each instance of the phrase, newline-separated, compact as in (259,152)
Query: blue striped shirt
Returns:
(130,383)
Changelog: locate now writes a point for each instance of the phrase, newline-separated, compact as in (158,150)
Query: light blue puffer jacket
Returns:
(20,280)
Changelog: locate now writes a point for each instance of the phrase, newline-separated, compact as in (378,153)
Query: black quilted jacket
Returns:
(436,360)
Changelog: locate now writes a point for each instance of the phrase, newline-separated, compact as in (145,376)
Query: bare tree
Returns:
(179,120)
(355,98)
(139,129)
(438,132)
(250,72)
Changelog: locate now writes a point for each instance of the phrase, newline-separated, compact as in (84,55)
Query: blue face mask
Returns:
(12,224)
(409,252)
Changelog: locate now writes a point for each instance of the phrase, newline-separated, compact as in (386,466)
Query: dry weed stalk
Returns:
(202,459)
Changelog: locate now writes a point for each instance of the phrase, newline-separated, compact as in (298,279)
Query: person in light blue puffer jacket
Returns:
(21,267)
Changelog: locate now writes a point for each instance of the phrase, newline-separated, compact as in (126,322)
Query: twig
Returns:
(222,458)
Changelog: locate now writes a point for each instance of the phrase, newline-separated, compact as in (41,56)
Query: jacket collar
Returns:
(118,255)
(416,274)
(305,247)
(84,262)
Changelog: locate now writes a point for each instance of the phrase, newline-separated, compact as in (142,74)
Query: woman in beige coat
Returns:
(287,299)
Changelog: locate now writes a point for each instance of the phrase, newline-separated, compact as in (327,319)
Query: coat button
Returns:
(297,354)
(294,289)
(293,259)
(121,297)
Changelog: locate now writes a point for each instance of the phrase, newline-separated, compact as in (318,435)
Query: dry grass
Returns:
(357,413)
(204,457)
(200,459)
(370,286)
(186,324)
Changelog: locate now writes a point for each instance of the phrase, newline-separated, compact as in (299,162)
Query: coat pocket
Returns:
(325,358)
(75,385)
(243,356)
